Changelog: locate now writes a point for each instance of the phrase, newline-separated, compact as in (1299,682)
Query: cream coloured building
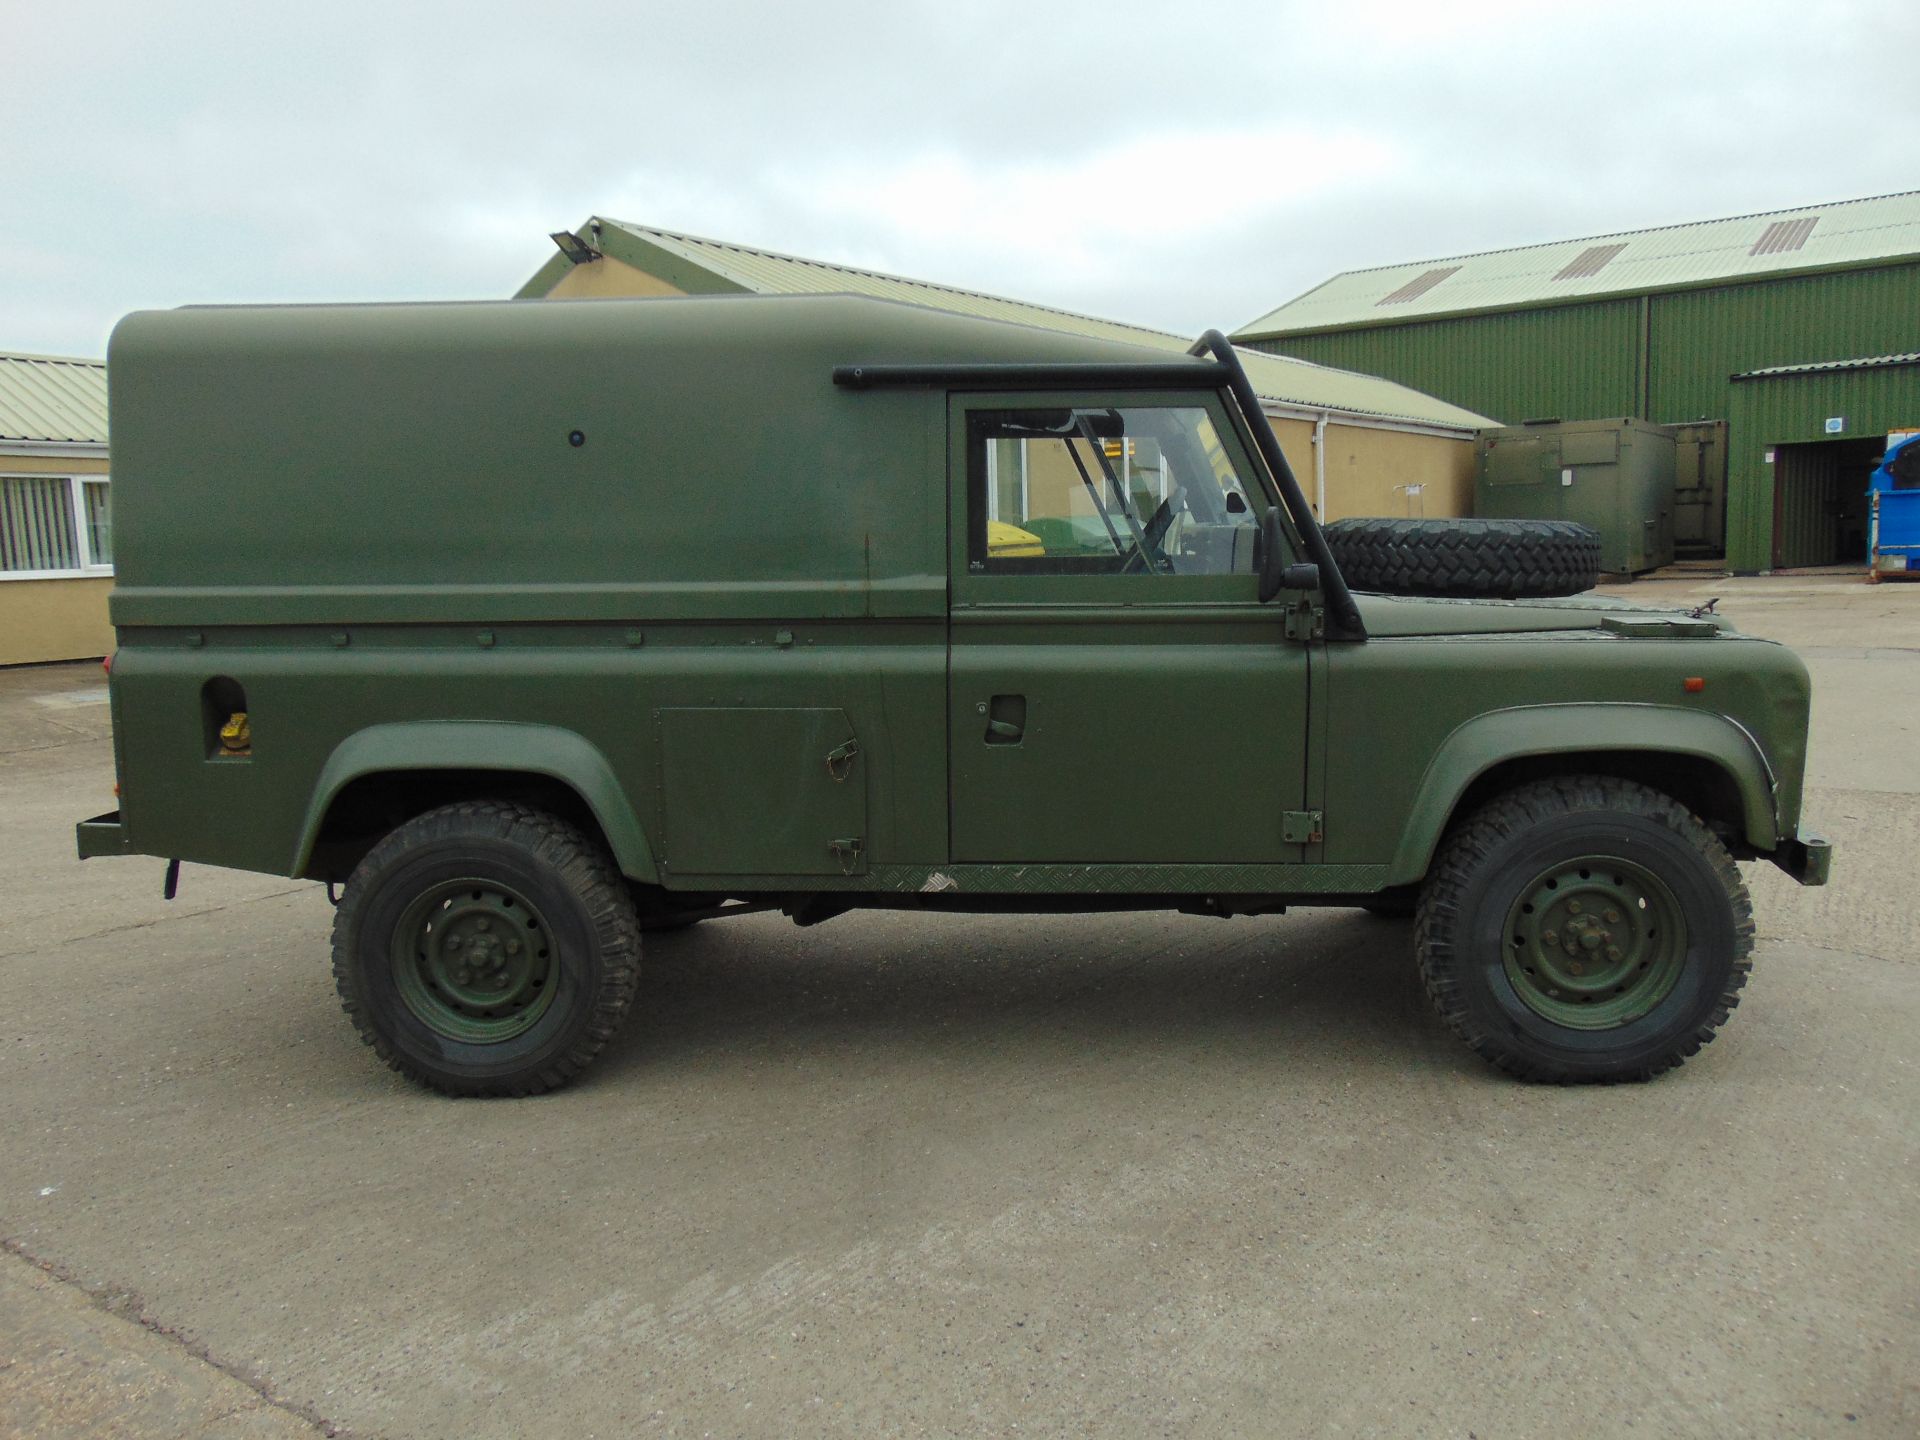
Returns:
(56,527)
(1361,445)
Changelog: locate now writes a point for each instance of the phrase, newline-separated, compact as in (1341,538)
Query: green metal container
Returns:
(1616,476)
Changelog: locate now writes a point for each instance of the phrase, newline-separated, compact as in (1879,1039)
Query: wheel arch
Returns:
(383,775)
(1705,761)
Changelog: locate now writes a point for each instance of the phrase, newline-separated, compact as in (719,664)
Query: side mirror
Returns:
(1270,553)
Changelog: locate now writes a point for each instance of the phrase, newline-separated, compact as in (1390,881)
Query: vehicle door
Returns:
(1117,692)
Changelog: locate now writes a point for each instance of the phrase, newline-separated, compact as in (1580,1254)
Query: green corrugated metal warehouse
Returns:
(1797,328)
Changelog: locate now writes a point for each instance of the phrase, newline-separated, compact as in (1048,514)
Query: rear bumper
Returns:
(103,835)
(1807,857)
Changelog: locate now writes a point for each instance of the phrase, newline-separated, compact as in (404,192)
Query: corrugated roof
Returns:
(1865,362)
(1809,237)
(764,272)
(53,399)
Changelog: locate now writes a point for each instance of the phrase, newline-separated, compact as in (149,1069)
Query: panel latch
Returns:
(847,852)
(840,759)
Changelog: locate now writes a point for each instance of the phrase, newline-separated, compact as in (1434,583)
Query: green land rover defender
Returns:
(538,627)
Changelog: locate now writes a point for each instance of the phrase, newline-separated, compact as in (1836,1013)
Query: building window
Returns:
(96,501)
(53,525)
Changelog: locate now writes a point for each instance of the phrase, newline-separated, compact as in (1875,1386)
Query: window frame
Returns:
(971,586)
(90,566)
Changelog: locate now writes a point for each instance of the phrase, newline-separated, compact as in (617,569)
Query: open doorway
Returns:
(1820,502)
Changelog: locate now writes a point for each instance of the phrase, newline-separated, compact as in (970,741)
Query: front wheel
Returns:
(486,949)
(1584,929)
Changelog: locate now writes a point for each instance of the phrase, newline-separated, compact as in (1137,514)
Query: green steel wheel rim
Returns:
(473,961)
(1595,943)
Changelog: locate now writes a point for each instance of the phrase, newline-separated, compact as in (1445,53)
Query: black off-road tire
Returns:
(545,890)
(1475,913)
(1502,559)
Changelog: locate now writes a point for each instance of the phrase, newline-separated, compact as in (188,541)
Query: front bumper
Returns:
(103,835)
(1807,857)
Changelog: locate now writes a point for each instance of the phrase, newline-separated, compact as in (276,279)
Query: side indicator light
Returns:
(1693,684)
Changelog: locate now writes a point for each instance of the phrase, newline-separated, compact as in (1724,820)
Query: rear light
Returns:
(106,664)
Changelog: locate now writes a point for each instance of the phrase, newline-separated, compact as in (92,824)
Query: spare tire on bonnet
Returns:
(1496,558)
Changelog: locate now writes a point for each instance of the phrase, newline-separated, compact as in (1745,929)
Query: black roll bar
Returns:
(1343,616)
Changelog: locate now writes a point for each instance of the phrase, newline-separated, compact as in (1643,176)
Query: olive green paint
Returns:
(494,746)
(1593,726)
(737,628)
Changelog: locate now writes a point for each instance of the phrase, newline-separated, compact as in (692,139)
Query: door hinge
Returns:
(847,852)
(1301,827)
(1306,622)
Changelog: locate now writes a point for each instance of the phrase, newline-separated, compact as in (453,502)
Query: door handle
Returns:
(1006,719)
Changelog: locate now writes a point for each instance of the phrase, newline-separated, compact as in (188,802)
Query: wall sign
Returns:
(1836,424)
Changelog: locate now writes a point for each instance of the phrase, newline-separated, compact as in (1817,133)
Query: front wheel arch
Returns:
(1704,761)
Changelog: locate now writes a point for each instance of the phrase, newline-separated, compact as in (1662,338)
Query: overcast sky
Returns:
(1183,166)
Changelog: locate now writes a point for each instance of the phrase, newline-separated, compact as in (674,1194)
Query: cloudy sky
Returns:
(1177,165)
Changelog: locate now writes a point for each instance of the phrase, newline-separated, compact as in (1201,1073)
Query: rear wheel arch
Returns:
(382,777)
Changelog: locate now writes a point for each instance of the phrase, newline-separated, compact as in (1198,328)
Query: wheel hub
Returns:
(472,961)
(1594,943)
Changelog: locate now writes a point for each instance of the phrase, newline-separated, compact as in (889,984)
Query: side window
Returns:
(1146,490)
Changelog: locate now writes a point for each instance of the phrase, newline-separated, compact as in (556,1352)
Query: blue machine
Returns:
(1893,514)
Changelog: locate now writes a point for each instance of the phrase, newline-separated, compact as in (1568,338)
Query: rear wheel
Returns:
(486,949)
(1584,929)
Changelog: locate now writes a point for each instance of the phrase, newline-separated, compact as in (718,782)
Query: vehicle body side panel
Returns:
(436,697)
(1421,718)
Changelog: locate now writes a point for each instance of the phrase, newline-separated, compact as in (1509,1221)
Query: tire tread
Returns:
(1510,559)
(1436,925)
(586,869)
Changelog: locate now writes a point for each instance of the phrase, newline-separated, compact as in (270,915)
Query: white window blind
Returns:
(54,525)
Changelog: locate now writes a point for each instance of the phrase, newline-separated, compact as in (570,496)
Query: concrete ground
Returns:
(1124,1176)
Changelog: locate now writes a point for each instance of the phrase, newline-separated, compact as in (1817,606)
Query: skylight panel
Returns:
(1784,235)
(1590,261)
(1417,286)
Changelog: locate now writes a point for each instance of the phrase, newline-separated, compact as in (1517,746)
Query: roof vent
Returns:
(1417,287)
(1590,261)
(1784,235)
